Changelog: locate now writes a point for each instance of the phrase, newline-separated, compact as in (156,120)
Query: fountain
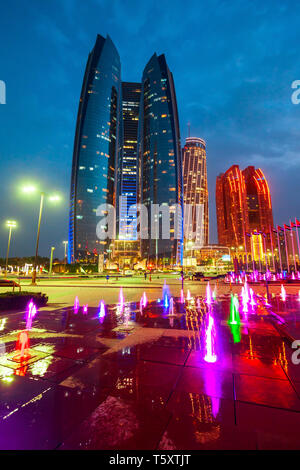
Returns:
(210,334)
(165,295)
(22,347)
(171,306)
(144,300)
(252,301)
(76,305)
(85,309)
(208,299)
(214,295)
(188,296)
(101,313)
(283,293)
(234,318)
(181,297)
(31,313)
(121,300)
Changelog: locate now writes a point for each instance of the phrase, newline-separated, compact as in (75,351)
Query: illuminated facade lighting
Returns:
(195,191)
(243,205)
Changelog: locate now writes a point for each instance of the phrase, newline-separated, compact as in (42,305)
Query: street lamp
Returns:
(65,242)
(29,189)
(51,259)
(10,224)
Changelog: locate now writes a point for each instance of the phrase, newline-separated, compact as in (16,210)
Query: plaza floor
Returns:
(142,382)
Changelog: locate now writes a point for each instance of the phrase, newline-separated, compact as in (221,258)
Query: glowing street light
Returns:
(11,224)
(65,242)
(51,259)
(29,189)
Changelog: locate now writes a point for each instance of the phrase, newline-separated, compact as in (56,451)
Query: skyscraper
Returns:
(243,205)
(160,158)
(195,191)
(95,149)
(128,166)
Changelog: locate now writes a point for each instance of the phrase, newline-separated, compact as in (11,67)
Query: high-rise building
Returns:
(243,205)
(126,144)
(160,159)
(95,149)
(195,192)
(128,160)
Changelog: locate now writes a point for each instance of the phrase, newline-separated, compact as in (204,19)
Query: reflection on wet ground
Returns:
(171,374)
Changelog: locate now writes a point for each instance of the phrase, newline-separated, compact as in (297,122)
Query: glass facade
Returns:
(195,191)
(95,149)
(160,157)
(243,205)
(127,168)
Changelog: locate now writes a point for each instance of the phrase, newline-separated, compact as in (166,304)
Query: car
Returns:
(198,276)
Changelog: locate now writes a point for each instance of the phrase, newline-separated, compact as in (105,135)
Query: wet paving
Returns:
(186,376)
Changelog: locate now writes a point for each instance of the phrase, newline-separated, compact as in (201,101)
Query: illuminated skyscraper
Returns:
(160,154)
(243,205)
(95,149)
(127,169)
(195,191)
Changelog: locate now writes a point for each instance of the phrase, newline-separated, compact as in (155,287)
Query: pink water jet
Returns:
(208,299)
(31,313)
(283,293)
(76,305)
(210,335)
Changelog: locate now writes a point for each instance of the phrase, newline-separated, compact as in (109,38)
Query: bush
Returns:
(16,300)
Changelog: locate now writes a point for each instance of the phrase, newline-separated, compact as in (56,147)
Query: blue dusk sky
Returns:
(233,64)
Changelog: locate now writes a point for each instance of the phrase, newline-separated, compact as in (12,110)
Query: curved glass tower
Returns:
(95,149)
(160,159)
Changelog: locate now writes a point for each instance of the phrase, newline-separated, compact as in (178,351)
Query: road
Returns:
(62,292)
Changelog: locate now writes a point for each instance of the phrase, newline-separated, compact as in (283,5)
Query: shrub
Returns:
(16,300)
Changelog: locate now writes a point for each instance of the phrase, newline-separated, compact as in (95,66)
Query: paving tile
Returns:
(17,391)
(265,418)
(162,354)
(76,351)
(119,424)
(189,433)
(212,382)
(223,362)
(266,391)
(47,420)
(257,366)
(204,408)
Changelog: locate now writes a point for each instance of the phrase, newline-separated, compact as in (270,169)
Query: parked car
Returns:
(198,276)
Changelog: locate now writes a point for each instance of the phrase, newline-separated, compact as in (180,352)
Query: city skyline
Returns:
(245,115)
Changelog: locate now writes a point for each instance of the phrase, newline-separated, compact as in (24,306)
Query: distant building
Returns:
(243,205)
(95,150)
(160,156)
(127,144)
(128,160)
(195,191)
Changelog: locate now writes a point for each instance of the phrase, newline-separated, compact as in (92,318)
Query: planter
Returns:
(20,300)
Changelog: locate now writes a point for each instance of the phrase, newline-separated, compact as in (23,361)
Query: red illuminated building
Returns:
(243,205)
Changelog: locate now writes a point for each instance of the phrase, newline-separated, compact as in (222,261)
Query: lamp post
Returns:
(51,259)
(10,224)
(52,198)
(65,243)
